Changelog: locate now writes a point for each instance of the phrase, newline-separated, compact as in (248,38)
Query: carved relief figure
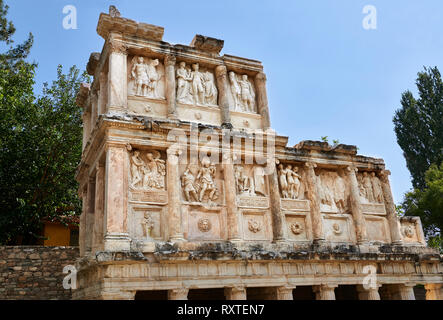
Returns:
(150,171)
(188,184)
(332,192)
(340,193)
(148,224)
(242,92)
(140,74)
(293,182)
(195,87)
(136,164)
(183,78)
(367,185)
(146,77)
(235,90)
(252,182)
(283,180)
(247,94)
(206,176)
(377,189)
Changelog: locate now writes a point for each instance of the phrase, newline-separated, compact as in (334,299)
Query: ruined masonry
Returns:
(187,192)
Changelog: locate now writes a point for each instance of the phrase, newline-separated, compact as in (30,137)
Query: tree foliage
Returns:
(40,142)
(419,125)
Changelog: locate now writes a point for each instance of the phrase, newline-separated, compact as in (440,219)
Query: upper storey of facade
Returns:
(137,73)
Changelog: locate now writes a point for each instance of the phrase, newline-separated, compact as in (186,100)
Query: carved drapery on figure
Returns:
(333,192)
(195,86)
(370,188)
(147,171)
(198,182)
(242,93)
(146,74)
(250,180)
(290,182)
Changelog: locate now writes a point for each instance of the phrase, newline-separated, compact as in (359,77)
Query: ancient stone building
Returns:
(188,193)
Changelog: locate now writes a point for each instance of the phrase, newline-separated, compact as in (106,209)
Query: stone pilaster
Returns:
(262,99)
(117,75)
(102,94)
(278,219)
(90,215)
(170,86)
(222,84)
(285,293)
(325,291)
(403,291)
(391,213)
(235,293)
(434,291)
(313,194)
(357,212)
(86,118)
(370,293)
(233,214)
(178,294)
(116,198)
(174,191)
(82,227)
(97,237)
(94,110)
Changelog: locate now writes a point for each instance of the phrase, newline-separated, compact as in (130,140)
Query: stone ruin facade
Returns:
(166,212)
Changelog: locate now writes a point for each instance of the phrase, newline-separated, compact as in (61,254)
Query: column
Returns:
(357,212)
(262,99)
(86,117)
(90,210)
(325,291)
(94,111)
(235,293)
(370,293)
(278,219)
(285,293)
(102,94)
(116,198)
(222,85)
(403,291)
(178,294)
(174,190)
(391,213)
(82,227)
(117,74)
(233,214)
(97,237)
(434,291)
(316,218)
(170,85)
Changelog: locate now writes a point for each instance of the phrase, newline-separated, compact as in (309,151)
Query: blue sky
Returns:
(327,75)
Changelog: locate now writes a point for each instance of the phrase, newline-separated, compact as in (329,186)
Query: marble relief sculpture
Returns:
(147,173)
(199,184)
(195,86)
(370,188)
(146,77)
(242,92)
(289,181)
(332,192)
(250,183)
(148,224)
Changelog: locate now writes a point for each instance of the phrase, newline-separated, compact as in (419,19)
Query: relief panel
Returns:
(338,228)
(256,225)
(377,229)
(297,227)
(251,186)
(333,192)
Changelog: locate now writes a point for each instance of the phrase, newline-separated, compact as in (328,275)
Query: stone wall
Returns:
(34,272)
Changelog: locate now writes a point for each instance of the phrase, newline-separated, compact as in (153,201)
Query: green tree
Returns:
(419,125)
(428,204)
(40,142)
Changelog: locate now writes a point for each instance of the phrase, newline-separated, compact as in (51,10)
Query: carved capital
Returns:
(384,175)
(311,165)
(115,46)
(170,60)
(352,169)
(260,77)
(221,72)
